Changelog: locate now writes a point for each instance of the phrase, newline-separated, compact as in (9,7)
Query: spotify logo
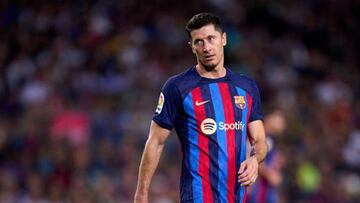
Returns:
(208,126)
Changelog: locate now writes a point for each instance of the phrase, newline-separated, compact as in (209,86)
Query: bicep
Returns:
(157,133)
(257,131)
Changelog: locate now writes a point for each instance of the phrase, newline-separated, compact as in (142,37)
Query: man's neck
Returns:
(217,72)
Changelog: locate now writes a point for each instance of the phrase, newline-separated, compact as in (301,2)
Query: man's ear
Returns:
(223,38)
(190,45)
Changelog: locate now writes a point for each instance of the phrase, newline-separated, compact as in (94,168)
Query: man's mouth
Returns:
(208,56)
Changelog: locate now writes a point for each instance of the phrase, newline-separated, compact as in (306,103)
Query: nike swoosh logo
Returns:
(201,103)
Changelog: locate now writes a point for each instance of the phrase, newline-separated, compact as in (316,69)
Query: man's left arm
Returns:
(248,171)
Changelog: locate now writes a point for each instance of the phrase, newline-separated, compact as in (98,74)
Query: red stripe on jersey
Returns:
(249,103)
(203,144)
(230,140)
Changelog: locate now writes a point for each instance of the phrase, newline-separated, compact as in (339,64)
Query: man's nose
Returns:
(207,46)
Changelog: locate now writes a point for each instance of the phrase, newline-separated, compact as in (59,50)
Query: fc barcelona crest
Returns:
(240,102)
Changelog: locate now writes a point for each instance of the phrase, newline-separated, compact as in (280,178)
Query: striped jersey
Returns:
(210,117)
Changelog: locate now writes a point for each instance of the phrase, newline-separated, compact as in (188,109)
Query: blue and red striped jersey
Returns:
(210,117)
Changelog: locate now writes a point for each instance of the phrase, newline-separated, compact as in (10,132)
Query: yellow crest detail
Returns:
(240,101)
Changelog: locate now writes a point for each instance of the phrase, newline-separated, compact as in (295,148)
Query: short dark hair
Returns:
(202,19)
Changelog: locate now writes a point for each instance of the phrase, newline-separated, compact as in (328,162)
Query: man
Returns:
(212,110)
(270,175)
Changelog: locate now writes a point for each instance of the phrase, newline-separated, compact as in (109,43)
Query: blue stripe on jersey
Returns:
(221,138)
(238,140)
(213,150)
(186,189)
(241,92)
(194,150)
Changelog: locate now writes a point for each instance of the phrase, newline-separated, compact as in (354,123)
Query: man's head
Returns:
(275,123)
(207,40)
(202,19)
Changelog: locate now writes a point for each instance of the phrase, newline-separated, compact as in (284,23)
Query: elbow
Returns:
(154,144)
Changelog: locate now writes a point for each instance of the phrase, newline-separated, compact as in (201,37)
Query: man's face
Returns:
(208,46)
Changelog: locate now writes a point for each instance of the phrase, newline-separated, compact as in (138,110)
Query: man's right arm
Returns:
(149,161)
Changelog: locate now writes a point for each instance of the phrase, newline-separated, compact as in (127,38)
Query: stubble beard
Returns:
(209,67)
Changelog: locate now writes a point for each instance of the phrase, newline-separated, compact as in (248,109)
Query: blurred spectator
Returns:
(72,126)
(266,188)
(35,192)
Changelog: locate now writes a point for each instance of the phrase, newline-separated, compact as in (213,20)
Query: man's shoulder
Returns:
(240,78)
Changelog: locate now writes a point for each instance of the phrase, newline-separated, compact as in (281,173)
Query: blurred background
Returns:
(79,82)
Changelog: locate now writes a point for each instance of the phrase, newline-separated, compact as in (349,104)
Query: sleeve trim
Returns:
(162,124)
(256,118)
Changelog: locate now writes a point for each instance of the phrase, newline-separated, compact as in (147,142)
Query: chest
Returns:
(218,104)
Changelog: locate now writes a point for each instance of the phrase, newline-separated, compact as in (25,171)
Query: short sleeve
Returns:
(168,107)
(256,112)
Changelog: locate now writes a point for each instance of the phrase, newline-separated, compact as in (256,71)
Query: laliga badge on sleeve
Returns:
(160,103)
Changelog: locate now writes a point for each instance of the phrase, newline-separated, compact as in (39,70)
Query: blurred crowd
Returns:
(80,81)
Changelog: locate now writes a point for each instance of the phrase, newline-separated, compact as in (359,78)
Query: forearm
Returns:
(148,165)
(259,145)
(260,150)
(248,170)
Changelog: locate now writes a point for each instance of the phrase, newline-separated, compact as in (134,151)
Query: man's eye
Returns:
(198,42)
(211,38)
